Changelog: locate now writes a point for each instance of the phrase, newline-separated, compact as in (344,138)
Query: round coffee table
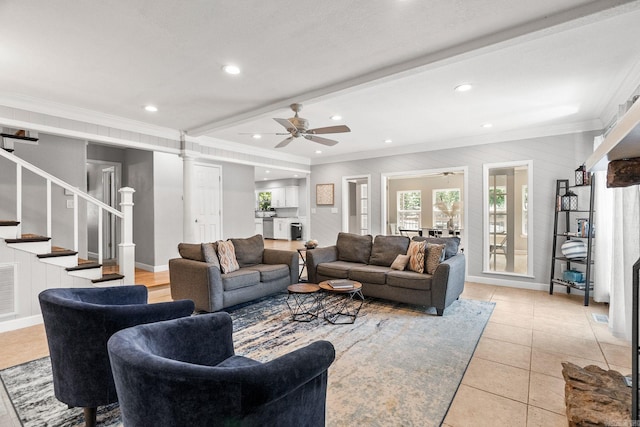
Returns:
(305,303)
(339,303)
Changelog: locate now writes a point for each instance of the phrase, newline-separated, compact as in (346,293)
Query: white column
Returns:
(126,248)
(188,221)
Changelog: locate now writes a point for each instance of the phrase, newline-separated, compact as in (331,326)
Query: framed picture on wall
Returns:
(324,194)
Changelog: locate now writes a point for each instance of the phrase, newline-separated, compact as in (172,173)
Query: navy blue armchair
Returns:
(184,372)
(78,322)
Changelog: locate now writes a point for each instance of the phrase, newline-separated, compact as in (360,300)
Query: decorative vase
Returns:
(574,249)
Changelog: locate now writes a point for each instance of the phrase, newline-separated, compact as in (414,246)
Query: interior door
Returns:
(207,198)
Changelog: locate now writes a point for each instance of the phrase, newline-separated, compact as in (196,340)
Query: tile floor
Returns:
(514,378)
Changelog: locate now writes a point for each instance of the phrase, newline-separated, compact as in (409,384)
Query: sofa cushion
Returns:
(227,256)
(400,263)
(269,272)
(373,274)
(354,247)
(409,279)
(336,269)
(210,253)
(386,248)
(435,255)
(416,256)
(451,244)
(249,251)
(240,279)
(192,251)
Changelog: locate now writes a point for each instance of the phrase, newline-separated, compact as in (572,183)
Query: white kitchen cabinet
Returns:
(291,196)
(259,227)
(282,228)
(278,199)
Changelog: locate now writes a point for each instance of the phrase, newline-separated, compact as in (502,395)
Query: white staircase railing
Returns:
(126,249)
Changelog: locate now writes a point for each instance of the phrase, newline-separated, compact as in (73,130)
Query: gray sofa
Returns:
(369,262)
(198,276)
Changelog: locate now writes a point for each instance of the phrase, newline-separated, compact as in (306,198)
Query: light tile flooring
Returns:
(515,375)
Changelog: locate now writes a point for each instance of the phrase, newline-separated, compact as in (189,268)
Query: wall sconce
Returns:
(569,202)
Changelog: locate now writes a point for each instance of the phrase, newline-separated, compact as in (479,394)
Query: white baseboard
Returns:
(152,268)
(509,283)
(23,322)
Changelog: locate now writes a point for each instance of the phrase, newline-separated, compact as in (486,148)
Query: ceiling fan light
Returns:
(464,87)
(231,69)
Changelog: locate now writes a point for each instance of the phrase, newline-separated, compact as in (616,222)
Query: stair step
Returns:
(29,239)
(108,277)
(85,266)
(4,223)
(56,254)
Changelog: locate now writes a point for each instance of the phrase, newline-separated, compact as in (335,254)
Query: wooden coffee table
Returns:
(341,305)
(303,301)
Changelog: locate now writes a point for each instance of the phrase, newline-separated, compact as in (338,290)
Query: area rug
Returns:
(397,365)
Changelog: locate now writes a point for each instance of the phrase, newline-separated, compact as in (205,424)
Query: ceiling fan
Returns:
(299,127)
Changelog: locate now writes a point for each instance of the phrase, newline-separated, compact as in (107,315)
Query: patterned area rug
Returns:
(397,365)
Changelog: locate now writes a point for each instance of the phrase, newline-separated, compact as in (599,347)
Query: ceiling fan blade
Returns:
(319,140)
(329,129)
(287,124)
(284,142)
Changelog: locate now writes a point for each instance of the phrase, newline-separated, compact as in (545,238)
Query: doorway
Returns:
(356,197)
(103,182)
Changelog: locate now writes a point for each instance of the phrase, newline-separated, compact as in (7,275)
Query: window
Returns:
(525,207)
(446,209)
(409,209)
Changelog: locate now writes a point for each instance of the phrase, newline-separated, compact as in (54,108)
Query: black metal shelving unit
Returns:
(563,233)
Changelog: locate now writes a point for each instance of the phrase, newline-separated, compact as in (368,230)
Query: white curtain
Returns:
(617,249)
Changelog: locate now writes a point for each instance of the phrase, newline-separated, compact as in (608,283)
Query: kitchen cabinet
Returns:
(278,198)
(282,197)
(258,225)
(291,196)
(282,228)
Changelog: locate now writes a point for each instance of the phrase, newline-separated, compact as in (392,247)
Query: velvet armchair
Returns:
(78,322)
(185,372)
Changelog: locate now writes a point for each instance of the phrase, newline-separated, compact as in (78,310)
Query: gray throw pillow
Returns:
(249,251)
(354,247)
(385,249)
(451,244)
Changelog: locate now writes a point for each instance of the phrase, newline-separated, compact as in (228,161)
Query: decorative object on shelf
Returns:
(324,194)
(573,276)
(574,249)
(569,202)
(582,176)
(311,244)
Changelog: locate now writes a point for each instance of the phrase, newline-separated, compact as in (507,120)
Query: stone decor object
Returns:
(595,397)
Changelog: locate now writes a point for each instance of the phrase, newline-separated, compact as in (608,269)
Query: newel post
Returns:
(126,248)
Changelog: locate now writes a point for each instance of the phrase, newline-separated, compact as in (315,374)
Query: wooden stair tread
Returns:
(24,138)
(85,266)
(58,253)
(28,238)
(107,277)
(4,223)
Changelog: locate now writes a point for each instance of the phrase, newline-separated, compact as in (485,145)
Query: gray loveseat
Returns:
(368,261)
(198,276)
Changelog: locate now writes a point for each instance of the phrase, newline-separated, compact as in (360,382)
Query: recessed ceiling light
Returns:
(151,108)
(267,171)
(388,141)
(264,179)
(487,125)
(295,175)
(318,151)
(256,136)
(231,69)
(336,117)
(463,87)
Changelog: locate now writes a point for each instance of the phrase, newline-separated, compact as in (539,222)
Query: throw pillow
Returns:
(416,256)
(227,256)
(400,263)
(354,247)
(435,255)
(209,253)
(451,244)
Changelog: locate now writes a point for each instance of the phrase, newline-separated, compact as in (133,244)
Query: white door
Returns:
(208,194)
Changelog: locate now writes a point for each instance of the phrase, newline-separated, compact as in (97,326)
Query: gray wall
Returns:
(168,207)
(138,173)
(64,158)
(238,200)
(553,158)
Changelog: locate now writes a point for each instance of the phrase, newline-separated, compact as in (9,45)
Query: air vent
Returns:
(7,289)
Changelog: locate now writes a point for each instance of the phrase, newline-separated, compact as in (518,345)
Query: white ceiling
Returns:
(387,67)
